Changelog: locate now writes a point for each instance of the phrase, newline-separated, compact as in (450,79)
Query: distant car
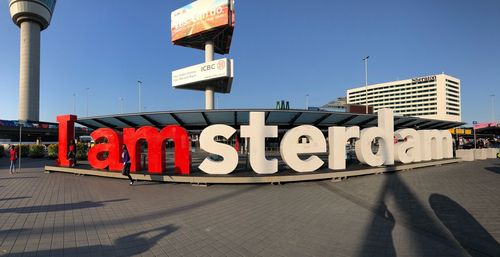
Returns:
(86,139)
(468,145)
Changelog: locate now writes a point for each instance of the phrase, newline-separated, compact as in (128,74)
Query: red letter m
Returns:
(156,148)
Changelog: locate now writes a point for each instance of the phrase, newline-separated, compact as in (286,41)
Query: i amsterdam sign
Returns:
(412,146)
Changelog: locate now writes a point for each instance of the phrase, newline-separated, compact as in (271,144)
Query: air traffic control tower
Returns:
(32,16)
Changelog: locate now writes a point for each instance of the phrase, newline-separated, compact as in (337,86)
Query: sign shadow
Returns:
(130,245)
(471,235)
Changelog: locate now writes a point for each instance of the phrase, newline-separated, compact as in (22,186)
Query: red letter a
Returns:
(112,147)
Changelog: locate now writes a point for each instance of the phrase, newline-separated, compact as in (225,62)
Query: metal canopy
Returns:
(196,119)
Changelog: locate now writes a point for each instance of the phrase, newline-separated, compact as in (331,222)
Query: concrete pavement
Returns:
(451,210)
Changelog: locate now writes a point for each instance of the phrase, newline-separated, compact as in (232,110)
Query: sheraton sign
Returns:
(412,146)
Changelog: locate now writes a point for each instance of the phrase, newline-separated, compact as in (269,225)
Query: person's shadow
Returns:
(379,234)
(493,169)
(58,207)
(130,245)
(141,244)
(464,227)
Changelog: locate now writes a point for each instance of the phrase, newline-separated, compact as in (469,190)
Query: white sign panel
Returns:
(221,68)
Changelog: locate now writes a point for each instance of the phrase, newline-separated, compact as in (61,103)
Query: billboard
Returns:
(200,16)
(197,77)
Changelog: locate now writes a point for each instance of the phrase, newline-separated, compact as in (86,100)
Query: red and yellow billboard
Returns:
(200,16)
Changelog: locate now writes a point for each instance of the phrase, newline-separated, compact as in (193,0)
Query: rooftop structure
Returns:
(194,120)
(338,105)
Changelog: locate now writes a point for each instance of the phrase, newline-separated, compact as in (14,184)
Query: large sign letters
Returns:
(374,146)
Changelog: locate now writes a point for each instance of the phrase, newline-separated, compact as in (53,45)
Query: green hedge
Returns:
(25,149)
(53,151)
(81,151)
(37,151)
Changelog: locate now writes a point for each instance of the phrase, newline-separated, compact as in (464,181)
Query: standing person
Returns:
(126,164)
(13,158)
(72,154)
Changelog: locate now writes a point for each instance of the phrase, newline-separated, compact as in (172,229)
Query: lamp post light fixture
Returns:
(140,98)
(87,99)
(121,104)
(74,103)
(493,118)
(366,82)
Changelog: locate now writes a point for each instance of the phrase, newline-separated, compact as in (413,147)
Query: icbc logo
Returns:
(221,65)
(208,67)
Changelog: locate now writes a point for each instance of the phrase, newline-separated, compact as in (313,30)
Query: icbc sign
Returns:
(221,64)
(403,145)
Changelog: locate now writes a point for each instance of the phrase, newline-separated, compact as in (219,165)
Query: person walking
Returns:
(72,154)
(13,158)
(126,164)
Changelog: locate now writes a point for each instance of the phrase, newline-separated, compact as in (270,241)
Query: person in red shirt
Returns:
(72,154)
(13,158)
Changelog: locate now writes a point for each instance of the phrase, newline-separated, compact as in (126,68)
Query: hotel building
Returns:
(433,97)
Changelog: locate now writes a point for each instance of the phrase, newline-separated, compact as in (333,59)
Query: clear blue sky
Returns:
(282,50)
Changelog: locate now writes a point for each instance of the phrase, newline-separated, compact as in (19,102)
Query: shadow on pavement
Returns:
(464,227)
(379,240)
(409,212)
(14,198)
(130,245)
(151,216)
(27,163)
(58,207)
(183,208)
(493,169)
(15,176)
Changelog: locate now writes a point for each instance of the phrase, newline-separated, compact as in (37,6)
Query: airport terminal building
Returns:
(431,97)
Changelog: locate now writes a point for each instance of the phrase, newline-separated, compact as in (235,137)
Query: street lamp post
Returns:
(74,103)
(87,99)
(493,118)
(366,82)
(21,123)
(74,113)
(307,102)
(140,98)
(209,90)
(121,104)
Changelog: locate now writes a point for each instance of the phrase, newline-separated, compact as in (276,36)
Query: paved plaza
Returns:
(452,210)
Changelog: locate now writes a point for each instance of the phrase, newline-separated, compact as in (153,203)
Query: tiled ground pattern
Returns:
(452,210)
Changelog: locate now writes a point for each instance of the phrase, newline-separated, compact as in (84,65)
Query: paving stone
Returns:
(450,210)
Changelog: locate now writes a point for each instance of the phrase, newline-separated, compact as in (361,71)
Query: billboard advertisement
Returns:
(221,68)
(199,16)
